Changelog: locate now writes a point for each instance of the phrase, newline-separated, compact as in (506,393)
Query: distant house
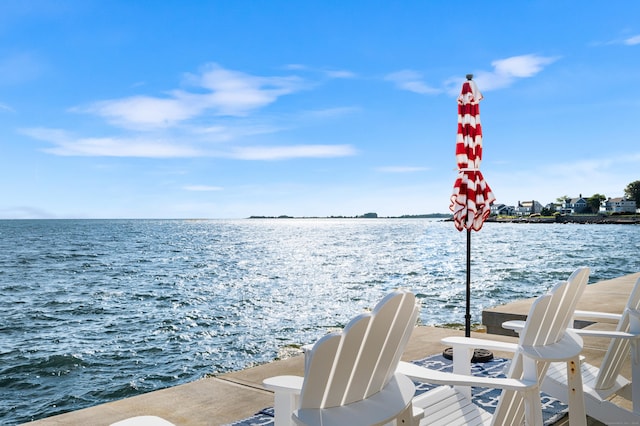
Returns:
(502,210)
(574,205)
(526,208)
(619,205)
(553,207)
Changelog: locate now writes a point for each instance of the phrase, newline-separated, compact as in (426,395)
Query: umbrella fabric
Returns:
(472,197)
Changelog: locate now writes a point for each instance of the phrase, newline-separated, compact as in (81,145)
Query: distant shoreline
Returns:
(364,216)
(580,219)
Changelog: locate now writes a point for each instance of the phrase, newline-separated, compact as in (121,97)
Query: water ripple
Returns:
(100,310)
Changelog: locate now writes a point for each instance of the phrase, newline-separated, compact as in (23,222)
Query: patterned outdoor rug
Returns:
(552,409)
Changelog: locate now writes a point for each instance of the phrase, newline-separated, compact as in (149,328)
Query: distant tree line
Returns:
(631,192)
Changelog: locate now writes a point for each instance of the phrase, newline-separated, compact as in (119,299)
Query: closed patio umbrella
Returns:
(472,197)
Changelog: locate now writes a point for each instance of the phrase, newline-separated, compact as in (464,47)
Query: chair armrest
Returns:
(596,315)
(471,342)
(441,378)
(287,384)
(515,325)
(610,334)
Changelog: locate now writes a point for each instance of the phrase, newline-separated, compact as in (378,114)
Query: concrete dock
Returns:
(234,396)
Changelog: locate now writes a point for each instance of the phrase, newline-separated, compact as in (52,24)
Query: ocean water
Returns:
(98,310)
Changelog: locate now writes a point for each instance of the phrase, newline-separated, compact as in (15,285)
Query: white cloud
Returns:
(113,147)
(218,91)
(333,112)
(4,107)
(67,145)
(632,41)
(327,73)
(144,111)
(401,169)
(202,188)
(340,74)
(294,151)
(411,81)
(226,133)
(296,67)
(507,71)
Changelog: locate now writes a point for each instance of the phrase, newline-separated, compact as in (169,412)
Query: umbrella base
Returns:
(479,355)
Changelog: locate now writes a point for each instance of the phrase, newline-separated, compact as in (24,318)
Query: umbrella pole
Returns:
(467,316)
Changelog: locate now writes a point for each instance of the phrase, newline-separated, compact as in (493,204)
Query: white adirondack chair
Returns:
(350,377)
(601,384)
(544,338)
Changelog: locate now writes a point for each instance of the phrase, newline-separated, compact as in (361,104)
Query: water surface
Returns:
(97,310)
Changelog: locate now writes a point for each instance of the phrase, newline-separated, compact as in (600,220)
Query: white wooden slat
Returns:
(320,364)
(367,362)
(398,335)
(353,336)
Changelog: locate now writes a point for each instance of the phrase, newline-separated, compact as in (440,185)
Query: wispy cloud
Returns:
(340,74)
(401,169)
(66,144)
(295,151)
(4,107)
(411,81)
(219,132)
(332,112)
(202,188)
(507,71)
(216,91)
(213,108)
(632,41)
(626,41)
(330,73)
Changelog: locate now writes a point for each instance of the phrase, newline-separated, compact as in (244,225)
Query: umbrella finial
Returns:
(469,76)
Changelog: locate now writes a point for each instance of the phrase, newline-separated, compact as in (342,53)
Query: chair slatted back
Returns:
(549,316)
(618,349)
(353,365)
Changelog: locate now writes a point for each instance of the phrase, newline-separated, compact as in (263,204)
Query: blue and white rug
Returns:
(487,398)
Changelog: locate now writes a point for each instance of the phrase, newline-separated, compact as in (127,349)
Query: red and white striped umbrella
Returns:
(472,196)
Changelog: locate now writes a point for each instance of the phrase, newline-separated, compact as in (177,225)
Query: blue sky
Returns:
(226,109)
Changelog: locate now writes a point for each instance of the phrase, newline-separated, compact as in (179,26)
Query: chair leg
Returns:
(410,416)
(577,410)
(462,365)
(284,405)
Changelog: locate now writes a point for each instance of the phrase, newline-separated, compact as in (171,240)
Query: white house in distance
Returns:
(526,208)
(569,206)
(619,205)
